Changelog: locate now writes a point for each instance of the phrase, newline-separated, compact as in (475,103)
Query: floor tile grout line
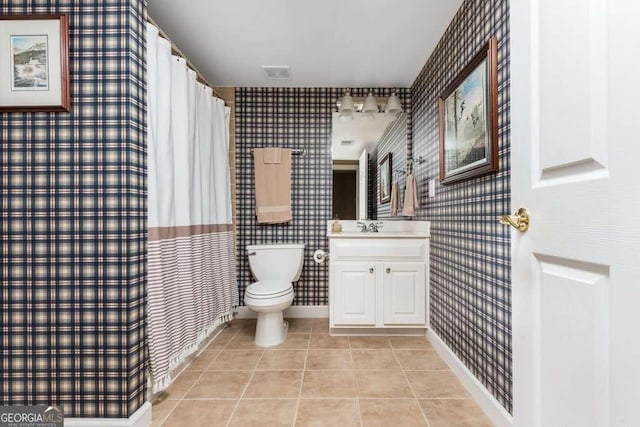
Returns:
(355,384)
(337,369)
(202,373)
(313,326)
(244,390)
(200,376)
(224,347)
(415,396)
(304,370)
(166,417)
(323,398)
(331,348)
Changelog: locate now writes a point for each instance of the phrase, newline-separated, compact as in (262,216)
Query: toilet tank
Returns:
(276,261)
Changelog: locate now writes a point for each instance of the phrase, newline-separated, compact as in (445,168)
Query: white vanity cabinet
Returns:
(354,293)
(378,280)
(404,293)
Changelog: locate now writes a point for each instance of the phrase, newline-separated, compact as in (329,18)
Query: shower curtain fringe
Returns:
(164,381)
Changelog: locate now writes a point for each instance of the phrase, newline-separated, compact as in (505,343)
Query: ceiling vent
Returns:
(347,142)
(277,71)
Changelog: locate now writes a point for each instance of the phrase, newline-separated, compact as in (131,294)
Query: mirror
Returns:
(352,142)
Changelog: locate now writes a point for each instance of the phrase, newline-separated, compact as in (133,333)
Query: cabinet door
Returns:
(353,293)
(404,293)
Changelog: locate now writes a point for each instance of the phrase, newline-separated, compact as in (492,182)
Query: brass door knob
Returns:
(520,220)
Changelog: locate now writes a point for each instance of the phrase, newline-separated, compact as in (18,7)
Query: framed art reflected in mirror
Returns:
(385,172)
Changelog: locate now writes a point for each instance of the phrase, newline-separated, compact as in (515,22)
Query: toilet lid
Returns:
(269,289)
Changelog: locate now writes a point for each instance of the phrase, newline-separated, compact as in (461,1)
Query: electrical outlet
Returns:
(432,188)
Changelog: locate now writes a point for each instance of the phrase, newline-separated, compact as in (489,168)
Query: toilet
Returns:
(275,266)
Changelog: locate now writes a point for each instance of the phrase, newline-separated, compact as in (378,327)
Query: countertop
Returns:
(379,235)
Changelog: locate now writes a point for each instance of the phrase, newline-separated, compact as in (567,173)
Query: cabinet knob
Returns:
(371,270)
(388,270)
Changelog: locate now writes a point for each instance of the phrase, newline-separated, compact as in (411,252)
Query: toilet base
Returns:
(271,329)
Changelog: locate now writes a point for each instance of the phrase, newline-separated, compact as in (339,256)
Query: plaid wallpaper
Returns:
(395,140)
(470,251)
(73,226)
(292,118)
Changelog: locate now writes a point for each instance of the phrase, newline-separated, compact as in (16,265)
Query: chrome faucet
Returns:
(371,227)
(374,226)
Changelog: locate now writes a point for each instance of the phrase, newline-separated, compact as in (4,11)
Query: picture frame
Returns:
(34,63)
(468,119)
(385,173)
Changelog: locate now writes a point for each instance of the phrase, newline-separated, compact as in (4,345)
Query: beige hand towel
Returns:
(272,155)
(410,197)
(273,187)
(395,195)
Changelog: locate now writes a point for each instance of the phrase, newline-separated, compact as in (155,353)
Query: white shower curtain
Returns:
(192,286)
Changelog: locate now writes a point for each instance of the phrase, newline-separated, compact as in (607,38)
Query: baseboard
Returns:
(494,410)
(295,311)
(372,332)
(140,418)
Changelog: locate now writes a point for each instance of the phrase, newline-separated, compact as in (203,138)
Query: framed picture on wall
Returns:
(385,174)
(468,119)
(34,63)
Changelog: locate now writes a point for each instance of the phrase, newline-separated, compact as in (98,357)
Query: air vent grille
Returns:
(277,71)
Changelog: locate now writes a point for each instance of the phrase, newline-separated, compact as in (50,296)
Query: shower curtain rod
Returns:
(177,51)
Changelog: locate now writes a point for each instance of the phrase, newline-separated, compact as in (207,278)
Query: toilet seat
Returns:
(268,289)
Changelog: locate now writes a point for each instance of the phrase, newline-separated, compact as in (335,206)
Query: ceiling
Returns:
(364,133)
(328,43)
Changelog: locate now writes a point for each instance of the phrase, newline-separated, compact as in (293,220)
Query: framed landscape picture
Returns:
(385,178)
(34,63)
(468,119)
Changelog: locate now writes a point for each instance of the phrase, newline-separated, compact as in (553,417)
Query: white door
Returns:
(575,156)
(353,293)
(404,287)
(363,184)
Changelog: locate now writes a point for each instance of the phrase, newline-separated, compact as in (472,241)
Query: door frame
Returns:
(349,165)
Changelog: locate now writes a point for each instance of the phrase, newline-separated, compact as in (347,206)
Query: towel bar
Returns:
(411,163)
(297,151)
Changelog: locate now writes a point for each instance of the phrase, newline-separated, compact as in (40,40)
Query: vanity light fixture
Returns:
(347,106)
(370,106)
(394,106)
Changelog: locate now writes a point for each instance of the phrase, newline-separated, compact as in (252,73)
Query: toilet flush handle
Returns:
(252,253)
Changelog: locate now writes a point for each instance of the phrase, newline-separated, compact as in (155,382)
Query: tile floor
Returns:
(313,379)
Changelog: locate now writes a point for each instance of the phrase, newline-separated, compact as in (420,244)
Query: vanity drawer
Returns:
(367,248)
